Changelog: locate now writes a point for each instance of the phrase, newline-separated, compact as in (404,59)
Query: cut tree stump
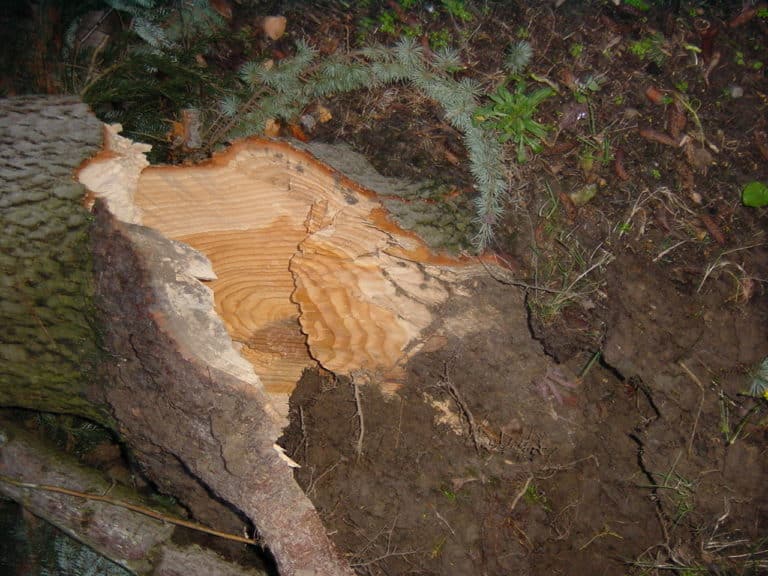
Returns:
(307,268)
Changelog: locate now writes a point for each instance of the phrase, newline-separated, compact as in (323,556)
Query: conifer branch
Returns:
(285,89)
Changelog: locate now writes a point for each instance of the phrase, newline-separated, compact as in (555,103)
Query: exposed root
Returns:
(447,383)
(360,418)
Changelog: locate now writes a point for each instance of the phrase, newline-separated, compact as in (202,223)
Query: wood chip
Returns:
(618,165)
(712,228)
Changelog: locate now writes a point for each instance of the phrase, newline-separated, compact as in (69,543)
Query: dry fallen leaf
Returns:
(297,132)
(676,119)
(712,228)
(699,158)
(274,26)
(322,114)
(660,137)
(272,128)
(761,141)
(654,95)
(618,165)
(222,7)
(746,14)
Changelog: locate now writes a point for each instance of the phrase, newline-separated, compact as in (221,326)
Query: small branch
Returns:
(595,357)
(128,506)
(668,250)
(522,492)
(304,439)
(701,403)
(606,532)
(399,426)
(444,521)
(509,281)
(313,483)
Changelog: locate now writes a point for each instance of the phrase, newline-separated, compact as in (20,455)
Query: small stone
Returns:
(736,91)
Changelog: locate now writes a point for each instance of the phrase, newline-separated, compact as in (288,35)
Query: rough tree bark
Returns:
(47,349)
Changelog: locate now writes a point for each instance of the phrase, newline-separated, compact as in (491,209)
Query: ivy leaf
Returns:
(755,194)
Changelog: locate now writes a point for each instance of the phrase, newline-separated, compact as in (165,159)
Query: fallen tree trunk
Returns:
(173,405)
(264,246)
(47,350)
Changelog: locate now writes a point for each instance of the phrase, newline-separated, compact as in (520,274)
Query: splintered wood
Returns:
(308,267)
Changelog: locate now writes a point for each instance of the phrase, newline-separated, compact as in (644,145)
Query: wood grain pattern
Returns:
(309,268)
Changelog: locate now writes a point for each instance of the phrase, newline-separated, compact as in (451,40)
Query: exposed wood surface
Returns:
(308,267)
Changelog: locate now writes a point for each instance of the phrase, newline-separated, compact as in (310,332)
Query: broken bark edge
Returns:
(175,408)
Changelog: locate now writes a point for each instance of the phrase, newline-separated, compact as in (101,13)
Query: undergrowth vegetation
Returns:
(158,66)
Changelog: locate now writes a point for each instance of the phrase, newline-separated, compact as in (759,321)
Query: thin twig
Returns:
(399,426)
(360,419)
(304,439)
(128,506)
(605,532)
(512,282)
(718,264)
(312,485)
(668,250)
(390,551)
(444,521)
(594,358)
(605,259)
(701,403)
(522,492)
(642,198)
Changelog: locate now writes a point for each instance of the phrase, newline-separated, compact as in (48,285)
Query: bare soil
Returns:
(590,415)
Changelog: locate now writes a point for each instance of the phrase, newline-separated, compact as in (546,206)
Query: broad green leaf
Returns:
(755,194)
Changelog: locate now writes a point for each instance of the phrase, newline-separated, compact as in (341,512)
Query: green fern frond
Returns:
(337,76)
(72,557)
(305,54)
(388,72)
(470,87)
(289,86)
(70,38)
(133,7)
(759,380)
(376,53)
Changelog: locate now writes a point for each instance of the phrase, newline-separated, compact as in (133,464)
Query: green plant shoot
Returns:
(511,114)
